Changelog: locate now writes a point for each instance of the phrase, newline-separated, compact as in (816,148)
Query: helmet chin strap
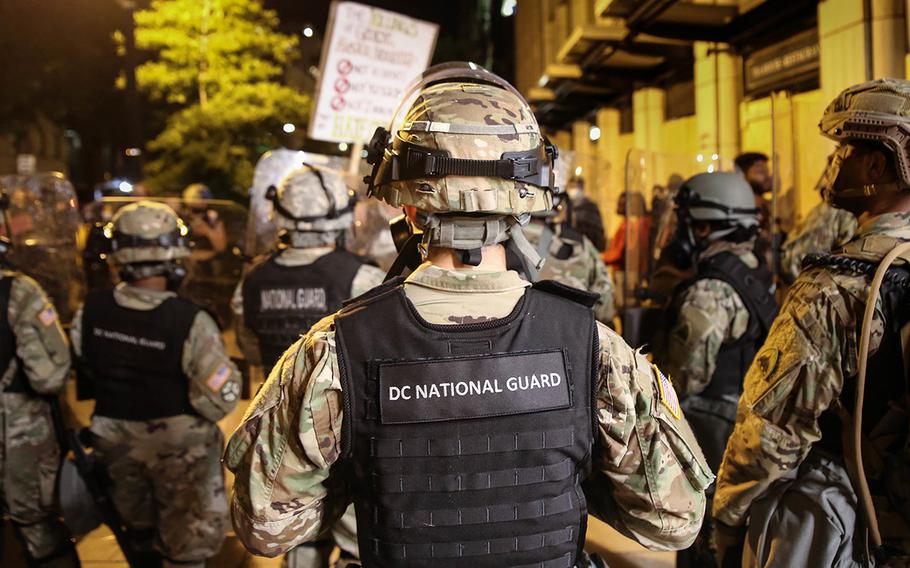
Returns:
(867,190)
(468,236)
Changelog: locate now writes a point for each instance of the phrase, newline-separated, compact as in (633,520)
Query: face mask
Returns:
(826,184)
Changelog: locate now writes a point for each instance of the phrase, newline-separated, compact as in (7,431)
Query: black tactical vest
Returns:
(753,286)
(8,341)
(282,302)
(466,445)
(886,376)
(136,356)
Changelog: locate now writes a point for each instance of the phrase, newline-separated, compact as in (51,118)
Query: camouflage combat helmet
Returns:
(463,147)
(722,197)
(876,111)
(312,204)
(147,239)
(197,192)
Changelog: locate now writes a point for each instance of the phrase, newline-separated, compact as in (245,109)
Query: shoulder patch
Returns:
(667,394)
(47,316)
(767,361)
(217,379)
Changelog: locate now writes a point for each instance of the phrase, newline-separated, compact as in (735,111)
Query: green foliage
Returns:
(218,64)
(219,144)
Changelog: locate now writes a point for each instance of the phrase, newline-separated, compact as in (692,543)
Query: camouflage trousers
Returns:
(316,555)
(29,462)
(166,483)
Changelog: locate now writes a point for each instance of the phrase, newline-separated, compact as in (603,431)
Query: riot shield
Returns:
(654,260)
(261,234)
(42,222)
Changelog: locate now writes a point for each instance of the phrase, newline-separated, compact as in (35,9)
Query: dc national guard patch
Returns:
(667,394)
(459,388)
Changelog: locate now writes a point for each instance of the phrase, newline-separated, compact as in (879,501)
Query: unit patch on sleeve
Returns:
(667,394)
(218,378)
(47,316)
(459,388)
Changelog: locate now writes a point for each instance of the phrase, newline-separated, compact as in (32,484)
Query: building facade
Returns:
(641,90)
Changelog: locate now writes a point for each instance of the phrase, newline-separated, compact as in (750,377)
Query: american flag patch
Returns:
(217,379)
(667,394)
(48,315)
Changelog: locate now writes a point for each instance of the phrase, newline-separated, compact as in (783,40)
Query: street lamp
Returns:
(308,31)
(289,128)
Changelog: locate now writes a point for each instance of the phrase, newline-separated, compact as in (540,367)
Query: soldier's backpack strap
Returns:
(752,290)
(583,297)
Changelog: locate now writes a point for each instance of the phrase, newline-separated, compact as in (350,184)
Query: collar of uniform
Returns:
(130,296)
(743,250)
(466,280)
(301,256)
(877,236)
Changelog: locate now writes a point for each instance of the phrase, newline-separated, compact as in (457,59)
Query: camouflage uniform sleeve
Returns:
(822,229)
(76,331)
(246,339)
(599,282)
(795,377)
(214,379)
(284,448)
(41,344)
(650,475)
(710,313)
(367,278)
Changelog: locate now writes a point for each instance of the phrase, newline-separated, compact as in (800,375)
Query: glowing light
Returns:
(343,146)
(308,31)
(289,128)
(125,187)
(699,158)
(594,133)
(132,152)
(508,8)
(714,156)
(711,169)
(578,170)
(364,153)
(544,79)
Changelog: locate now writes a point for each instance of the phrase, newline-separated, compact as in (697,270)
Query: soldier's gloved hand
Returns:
(728,543)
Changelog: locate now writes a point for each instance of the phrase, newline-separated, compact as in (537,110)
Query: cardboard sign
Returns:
(369,56)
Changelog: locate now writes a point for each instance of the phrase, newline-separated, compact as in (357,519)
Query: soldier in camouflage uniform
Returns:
(823,229)
(484,480)
(720,319)
(787,470)
(572,259)
(312,209)
(36,362)
(161,380)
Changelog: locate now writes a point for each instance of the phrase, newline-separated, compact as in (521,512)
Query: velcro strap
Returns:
(508,545)
(478,515)
(471,445)
(443,483)
(509,168)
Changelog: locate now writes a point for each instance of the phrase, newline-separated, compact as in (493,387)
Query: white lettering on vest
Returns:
(131,339)
(276,299)
(474,387)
